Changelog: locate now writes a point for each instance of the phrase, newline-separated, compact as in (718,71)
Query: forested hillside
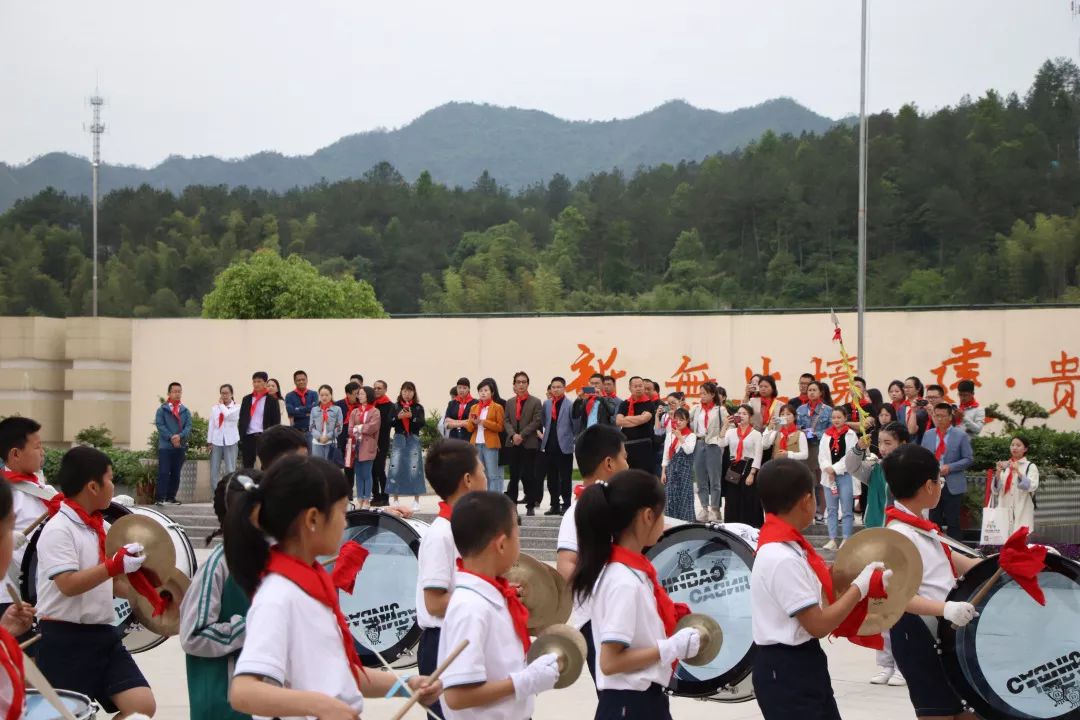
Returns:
(975,203)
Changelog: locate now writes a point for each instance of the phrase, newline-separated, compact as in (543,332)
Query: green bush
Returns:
(128,468)
(198,446)
(1054,452)
(97,436)
(430,432)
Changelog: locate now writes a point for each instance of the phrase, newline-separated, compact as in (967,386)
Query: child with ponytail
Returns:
(633,619)
(299,659)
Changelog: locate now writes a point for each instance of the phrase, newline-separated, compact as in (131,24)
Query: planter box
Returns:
(195,482)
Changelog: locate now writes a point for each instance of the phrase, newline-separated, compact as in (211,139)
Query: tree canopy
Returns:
(971,204)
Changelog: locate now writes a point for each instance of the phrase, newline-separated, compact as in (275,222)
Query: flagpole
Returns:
(861,350)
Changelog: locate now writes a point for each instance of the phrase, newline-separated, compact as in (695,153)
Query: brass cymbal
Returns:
(568,644)
(566,597)
(899,555)
(168,623)
(158,548)
(712,637)
(541,591)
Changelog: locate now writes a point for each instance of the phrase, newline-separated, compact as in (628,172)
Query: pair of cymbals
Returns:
(172,588)
(567,644)
(160,561)
(543,591)
(898,554)
(712,637)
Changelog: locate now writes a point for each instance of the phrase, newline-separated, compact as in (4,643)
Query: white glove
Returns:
(540,675)
(134,558)
(960,613)
(682,645)
(863,580)
(18,540)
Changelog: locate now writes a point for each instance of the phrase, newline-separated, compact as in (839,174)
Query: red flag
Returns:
(850,627)
(836,335)
(349,562)
(1024,563)
(989,486)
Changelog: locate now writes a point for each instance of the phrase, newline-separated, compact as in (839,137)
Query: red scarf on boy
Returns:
(519,614)
(255,398)
(895,513)
(11,662)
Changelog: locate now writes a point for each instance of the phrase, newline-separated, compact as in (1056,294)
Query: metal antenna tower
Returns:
(96,129)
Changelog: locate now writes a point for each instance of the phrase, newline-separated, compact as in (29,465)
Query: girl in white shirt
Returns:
(299,659)
(707,419)
(678,466)
(840,488)
(744,444)
(222,435)
(784,438)
(633,619)
(1015,483)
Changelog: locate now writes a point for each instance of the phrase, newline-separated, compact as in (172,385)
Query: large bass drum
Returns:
(1018,659)
(708,568)
(136,637)
(381,611)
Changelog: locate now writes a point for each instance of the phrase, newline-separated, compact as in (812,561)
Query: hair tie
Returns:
(248,484)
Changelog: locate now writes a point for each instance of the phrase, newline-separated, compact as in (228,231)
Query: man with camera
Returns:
(590,407)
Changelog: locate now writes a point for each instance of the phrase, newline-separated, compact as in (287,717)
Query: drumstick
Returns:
(432,678)
(982,592)
(35,677)
(14,594)
(30,529)
(400,680)
(28,643)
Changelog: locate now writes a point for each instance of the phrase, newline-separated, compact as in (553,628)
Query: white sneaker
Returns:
(831,545)
(702,515)
(416,507)
(844,542)
(897,680)
(714,514)
(883,676)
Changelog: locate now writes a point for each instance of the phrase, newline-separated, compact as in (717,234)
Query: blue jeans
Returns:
(843,501)
(362,473)
(490,458)
(170,460)
(221,455)
(320,451)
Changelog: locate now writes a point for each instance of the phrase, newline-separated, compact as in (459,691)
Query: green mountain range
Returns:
(456,143)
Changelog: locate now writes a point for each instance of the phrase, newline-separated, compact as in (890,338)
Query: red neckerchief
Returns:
(519,614)
(776,529)
(317,583)
(836,433)
(804,399)
(578,489)
(741,434)
(766,410)
(970,406)
(11,660)
(95,521)
(325,413)
(349,407)
(677,440)
(19,477)
(481,406)
(445,510)
(895,513)
(669,611)
(555,409)
(520,399)
(381,401)
(255,398)
(220,419)
(302,394)
(1009,477)
(174,408)
(463,402)
(941,448)
(929,421)
(786,432)
(654,397)
(406,422)
(631,401)
(707,408)
(855,409)
(812,406)
(897,404)
(589,402)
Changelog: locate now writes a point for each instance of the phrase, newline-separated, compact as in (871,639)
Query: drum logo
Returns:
(704,584)
(1058,679)
(390,617)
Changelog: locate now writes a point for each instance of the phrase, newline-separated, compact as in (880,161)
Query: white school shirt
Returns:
(69,545)
(802,450)
(256,423)
(228,432)
(28,504)
(294,640)
(478,613)
(751,445)
(624,612)
(938,579)
(840,466)
(568,540)
(437,568)
(688,443)
(782,584)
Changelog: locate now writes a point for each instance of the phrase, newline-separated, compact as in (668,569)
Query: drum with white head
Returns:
(38,708)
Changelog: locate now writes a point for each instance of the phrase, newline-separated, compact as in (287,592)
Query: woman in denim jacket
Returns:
(813,418)
(325,424)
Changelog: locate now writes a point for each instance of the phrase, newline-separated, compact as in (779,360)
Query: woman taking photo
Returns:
(1015,483)
(406,456)
(813,419)
(325,424)
(766,405)
(744,443)
(783,438)
(364,424)
(486,421)
(706,420)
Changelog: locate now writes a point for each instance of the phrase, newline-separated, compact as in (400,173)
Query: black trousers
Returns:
(378,472)
(947,513)
(793,682)
(427,658)
(522,461)
(249,444)
(590,651)
(558,467)
(651,704)
(640,456)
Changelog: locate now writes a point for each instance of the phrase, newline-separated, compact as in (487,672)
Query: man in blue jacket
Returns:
(298,404)
(173,422)
(952,448)
(557,447)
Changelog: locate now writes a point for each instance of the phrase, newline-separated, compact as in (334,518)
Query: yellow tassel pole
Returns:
(856,395)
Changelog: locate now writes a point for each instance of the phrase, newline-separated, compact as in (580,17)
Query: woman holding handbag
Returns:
(745,445)
(1015,483)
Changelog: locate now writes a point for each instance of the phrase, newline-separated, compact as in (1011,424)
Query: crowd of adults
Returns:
(710,450)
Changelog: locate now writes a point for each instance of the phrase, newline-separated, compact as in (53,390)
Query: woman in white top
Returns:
(744,444)
(840,487)
(706,420)
(222,435)
(1015,483)
(677,467)
(766,405)
(784,438)
(273,389)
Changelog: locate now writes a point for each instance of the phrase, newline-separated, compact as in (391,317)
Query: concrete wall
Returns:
(79,372)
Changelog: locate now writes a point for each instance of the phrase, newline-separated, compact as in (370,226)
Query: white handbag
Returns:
(995,524)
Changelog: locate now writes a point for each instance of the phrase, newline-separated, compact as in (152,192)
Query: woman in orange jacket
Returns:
(486,420)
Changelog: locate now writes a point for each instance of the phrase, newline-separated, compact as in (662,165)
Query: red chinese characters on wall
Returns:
(1065,372)
(588,364)
(688,378)
(834,373)
(964,364)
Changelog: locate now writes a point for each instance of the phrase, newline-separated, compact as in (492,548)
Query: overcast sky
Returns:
(233,77)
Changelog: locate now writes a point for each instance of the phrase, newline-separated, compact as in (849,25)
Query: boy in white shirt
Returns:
(453,468)
(489,679)
(22,456)
(600,454)
(913,476)
(791,673)
(80,650)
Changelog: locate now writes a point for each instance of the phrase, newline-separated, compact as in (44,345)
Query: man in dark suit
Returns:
(557,447)
(385,406)
(591,407)
(522,421)
(256,415)
(952,448)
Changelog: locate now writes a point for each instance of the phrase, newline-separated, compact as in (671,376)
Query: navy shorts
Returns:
(917,658)
(87,659)
(427,659)
(792,681)
(651,704)
(590,650)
